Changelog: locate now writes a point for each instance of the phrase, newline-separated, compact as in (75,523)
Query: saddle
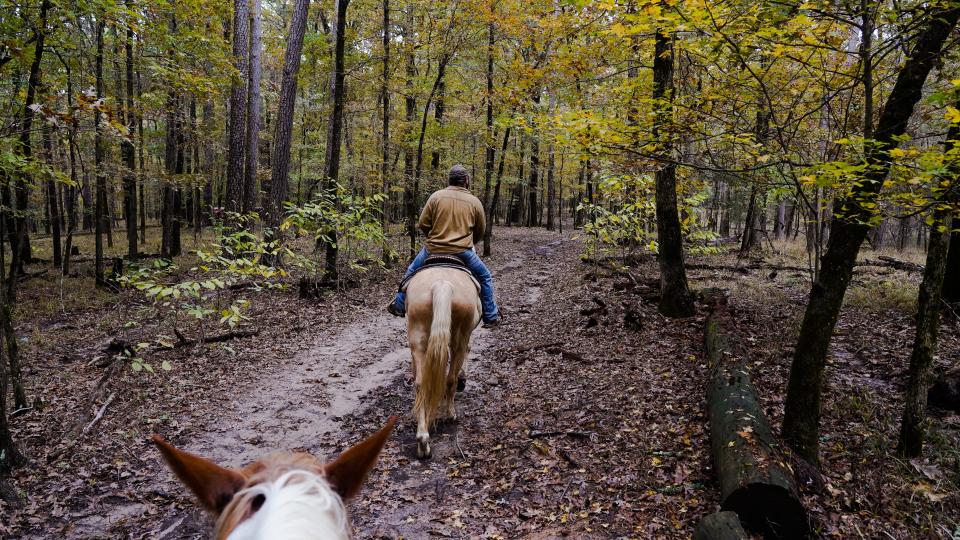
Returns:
(440,261)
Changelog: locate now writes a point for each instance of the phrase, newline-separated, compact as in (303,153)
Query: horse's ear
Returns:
(347,473)
(213,485)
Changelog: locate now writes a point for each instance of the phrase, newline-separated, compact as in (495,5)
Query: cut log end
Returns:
(720,526)
(770,510)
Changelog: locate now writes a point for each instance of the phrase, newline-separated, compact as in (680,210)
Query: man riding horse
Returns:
(453,220)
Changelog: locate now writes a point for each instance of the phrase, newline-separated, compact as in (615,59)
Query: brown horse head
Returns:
(286,495)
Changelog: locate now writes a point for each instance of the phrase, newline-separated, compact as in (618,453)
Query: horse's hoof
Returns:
(461,382)
(423,449)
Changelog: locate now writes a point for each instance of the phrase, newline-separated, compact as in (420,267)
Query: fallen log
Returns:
(755,481)
(720,526)
(890,262)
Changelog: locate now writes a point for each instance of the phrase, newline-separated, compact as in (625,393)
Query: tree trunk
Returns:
(173,166)
(53,202)
(385,126)
(675,298)
(534,163)
(253,111)
(409,201)
(438,110)
(335,128)
(140,191)
(902,231)
(128,150)
(488,232)
(488,139)
(100,197)
(71,190)
(238,108)
(848,230)
(283,127)
(780,223)
(20,244)
(551,164)
(951,278)
(10,456)
(925,340)
(418,168)
(928,316)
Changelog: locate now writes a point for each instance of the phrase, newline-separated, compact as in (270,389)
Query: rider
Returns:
(453,219)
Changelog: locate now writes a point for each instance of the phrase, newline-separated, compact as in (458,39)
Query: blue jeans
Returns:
(479,270)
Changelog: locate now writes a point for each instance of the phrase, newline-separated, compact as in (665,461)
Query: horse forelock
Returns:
(286,496)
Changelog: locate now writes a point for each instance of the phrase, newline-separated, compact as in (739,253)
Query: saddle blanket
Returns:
(440,261)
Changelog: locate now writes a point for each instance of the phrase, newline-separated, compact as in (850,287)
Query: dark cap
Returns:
(458,175)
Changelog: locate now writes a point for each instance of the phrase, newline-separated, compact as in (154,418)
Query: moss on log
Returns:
(755,481)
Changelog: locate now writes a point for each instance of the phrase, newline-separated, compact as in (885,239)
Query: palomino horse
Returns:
(285,495)
(443,308)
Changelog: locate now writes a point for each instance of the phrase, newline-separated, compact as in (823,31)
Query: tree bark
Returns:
(141,188)
(283,127)
(849,228)
(488,139)
(438,111)
(488,232)
(335,129)
(385,126)
(173,163)
(951,278)
(128,150)
(551,185)
(10,456)
(100,197)
(409,201)
(532,214)
(675,298)
(20,245)
(238,108)
(53,202)
(928,315)
(253,110)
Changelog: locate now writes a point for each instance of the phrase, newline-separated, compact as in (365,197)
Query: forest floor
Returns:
(583,416)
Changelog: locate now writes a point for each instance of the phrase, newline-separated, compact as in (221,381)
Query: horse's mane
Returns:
(298,505)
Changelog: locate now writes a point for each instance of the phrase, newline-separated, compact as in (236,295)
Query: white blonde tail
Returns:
(433,376)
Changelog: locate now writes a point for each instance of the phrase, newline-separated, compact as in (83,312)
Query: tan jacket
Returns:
(453,220)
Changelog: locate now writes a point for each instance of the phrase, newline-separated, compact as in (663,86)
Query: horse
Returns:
(443,308)
(289,495)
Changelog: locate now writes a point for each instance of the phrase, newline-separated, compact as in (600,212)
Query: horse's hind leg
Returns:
(458,354)
(418,353)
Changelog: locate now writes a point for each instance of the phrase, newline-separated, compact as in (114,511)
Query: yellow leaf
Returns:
(953,115)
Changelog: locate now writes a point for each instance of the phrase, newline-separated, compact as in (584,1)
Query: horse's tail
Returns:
(434,375)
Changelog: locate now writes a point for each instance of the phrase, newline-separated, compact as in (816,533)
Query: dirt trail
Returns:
(307,398)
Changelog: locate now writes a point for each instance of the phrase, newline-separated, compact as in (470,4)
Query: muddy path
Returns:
(326,395)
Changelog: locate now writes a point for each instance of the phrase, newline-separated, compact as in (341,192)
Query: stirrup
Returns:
(394,310)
